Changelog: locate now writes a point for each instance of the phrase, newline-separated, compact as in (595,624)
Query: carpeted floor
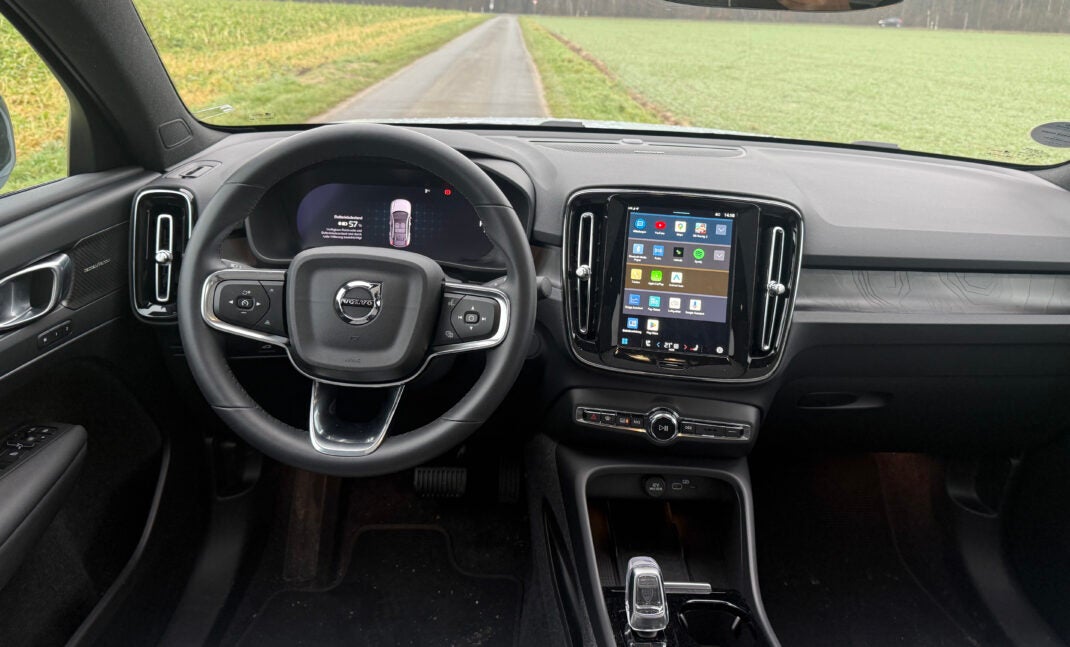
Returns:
(402,587)
(852,553)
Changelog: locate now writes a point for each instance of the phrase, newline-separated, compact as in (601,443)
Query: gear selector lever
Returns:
(644,601)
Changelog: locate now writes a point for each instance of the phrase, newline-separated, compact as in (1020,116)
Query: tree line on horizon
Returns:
(979,15)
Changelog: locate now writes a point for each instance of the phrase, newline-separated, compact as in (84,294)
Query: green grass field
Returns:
(274,62)
(970,94)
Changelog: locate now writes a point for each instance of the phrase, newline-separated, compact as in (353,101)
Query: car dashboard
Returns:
(820,295)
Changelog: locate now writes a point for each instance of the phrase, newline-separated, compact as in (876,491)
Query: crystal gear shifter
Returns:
(644,601)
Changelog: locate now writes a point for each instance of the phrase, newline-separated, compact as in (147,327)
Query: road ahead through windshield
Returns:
(486,72)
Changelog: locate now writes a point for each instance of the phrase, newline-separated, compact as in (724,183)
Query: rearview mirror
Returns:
(7,144)
(793,5)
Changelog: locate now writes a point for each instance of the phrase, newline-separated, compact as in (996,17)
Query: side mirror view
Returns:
(7,144)
(793,5)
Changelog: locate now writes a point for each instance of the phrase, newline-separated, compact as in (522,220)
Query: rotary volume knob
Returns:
(662,425)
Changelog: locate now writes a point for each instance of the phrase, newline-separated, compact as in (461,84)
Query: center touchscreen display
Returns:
(676,286)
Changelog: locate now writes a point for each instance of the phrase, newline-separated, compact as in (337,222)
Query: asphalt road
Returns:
(485,72)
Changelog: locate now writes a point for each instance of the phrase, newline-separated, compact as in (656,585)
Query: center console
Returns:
(664,551)
(696,286)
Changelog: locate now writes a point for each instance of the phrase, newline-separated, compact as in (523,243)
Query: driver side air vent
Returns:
(161,226)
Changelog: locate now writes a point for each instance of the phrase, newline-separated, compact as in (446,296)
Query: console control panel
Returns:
(663,425)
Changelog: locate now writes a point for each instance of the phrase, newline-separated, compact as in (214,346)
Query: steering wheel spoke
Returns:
(334,436)
(247,303)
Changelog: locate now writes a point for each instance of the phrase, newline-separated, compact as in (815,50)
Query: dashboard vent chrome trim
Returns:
(165,248)
(161,224)
(774,291)
(584,271)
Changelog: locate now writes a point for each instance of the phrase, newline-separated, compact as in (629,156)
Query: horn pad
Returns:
(361,315)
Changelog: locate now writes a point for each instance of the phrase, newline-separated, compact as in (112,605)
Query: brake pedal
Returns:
(440,482)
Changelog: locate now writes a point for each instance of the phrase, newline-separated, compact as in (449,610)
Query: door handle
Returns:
(34,291)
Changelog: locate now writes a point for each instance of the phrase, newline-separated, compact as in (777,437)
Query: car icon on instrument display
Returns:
(400,223)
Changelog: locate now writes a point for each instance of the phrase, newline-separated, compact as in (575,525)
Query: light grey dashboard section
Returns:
(902,292)
(886,211)
(864,209)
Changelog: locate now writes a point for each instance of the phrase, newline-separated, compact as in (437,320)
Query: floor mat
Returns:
(402,588)
(835,570)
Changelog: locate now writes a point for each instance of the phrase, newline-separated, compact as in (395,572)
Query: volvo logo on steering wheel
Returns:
(358,302)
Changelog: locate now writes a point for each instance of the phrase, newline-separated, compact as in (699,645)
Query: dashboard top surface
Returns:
(863,209)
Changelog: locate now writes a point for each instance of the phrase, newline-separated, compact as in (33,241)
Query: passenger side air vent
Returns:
(583,267)
(773,289)
(162,224)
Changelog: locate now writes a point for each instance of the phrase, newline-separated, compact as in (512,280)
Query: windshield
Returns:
(969,78)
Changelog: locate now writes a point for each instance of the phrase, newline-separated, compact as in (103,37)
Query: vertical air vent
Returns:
(162,224)
(584,272)
(773,291)
(163,257)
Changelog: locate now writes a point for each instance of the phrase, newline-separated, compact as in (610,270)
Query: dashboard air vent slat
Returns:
(774,292)
(584,271)
(165,248)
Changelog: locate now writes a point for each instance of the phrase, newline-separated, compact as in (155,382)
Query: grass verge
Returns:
(574,85)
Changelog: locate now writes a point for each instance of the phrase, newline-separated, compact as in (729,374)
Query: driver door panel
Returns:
(76,500)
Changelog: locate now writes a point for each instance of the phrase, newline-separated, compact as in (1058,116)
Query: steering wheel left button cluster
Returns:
(251,304)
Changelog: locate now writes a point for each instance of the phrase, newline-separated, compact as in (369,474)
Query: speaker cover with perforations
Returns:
(99,265)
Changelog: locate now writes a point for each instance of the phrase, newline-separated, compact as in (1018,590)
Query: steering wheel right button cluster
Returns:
(473,318)
(465,318)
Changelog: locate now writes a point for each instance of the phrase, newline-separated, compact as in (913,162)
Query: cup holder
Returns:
(717,623)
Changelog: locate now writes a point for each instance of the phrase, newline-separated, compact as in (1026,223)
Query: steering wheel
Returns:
(352,317)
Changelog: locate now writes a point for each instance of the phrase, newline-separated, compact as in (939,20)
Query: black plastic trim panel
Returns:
(33,490)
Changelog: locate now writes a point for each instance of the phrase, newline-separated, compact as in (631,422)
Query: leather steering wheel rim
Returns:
(236,199)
